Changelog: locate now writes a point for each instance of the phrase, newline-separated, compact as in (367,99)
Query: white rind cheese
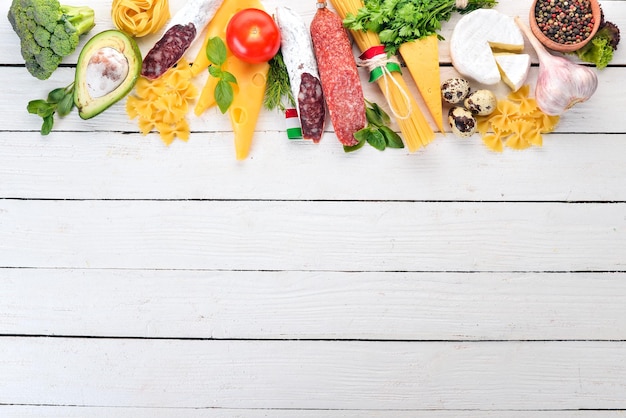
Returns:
(514,69)
(474,37)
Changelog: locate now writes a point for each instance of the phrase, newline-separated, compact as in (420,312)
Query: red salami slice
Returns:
(339,75)
(168,50)
(312,107)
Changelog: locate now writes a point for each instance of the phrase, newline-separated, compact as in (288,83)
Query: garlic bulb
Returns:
(561,83)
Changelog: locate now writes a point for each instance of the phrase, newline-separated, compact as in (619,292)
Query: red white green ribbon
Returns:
(380,65)
(292,122)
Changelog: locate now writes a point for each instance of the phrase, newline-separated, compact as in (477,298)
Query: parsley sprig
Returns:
(400,21)
(224,93)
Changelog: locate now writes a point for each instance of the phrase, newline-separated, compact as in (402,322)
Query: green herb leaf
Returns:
(223,95)
(229,77)
(39,108)
(48,122)
(66,105)
(377,139)
(56,95)
(215,71)
(354,147)
(216,50)
(392,139)
(400,21)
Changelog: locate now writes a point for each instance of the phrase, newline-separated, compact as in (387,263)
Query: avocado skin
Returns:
(88,106)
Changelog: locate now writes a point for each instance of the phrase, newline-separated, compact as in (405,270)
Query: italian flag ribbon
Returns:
(292,122)
(379,64)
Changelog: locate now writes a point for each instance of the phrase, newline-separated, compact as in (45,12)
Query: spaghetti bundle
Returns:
(414,126)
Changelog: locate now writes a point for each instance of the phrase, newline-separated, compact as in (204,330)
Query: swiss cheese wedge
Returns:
(422,59)
(251,80)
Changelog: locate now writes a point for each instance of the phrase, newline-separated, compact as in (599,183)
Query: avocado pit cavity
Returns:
(108,68)
(106,71)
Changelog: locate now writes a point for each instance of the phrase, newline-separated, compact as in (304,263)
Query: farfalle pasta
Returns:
(140,17)
(517,123)
(162,104)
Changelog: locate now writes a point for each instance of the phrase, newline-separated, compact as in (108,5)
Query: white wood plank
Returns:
(270,235)
(103,412)
(116,166)
(313,374)
(306,305)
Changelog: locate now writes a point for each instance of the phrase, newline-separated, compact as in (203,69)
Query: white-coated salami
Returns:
(297,51)
(180,32)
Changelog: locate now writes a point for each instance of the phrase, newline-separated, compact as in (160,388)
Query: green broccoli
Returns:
(48,32)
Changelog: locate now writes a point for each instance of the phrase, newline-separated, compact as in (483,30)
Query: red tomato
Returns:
(253,36)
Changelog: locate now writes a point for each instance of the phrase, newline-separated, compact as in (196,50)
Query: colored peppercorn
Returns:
(565,21)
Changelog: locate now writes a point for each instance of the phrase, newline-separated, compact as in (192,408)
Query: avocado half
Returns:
(108,68)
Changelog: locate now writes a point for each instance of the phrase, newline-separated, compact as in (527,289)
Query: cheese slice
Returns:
(513,69)
(474,37)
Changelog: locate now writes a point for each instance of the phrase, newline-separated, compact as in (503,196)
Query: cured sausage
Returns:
(297,51)
(339,75)
(179,34)
(168,50)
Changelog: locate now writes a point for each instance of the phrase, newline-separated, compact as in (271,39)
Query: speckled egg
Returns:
(455,90)
(481,102)
(462,121)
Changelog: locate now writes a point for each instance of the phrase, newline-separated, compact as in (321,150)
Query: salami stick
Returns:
(179,34)
(339,74)
(301,66)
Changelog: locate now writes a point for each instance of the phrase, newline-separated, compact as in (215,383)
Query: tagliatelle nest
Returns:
(162,104)
(517,123)
(140,17)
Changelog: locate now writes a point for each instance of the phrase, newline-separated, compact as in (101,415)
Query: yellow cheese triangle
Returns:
(247,102)
(422,59)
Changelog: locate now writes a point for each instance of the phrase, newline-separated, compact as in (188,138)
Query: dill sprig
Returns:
(278,93)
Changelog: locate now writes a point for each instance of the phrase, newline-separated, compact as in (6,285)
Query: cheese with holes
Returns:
(474,38)
(513,68)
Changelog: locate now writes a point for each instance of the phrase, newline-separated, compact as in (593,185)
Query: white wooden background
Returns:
(140,280)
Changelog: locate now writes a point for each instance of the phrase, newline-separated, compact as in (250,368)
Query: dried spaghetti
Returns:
(414,126)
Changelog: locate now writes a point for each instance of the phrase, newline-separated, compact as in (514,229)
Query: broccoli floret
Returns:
(48,32)
(599,50)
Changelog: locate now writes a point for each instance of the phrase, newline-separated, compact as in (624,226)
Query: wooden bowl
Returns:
(556,46)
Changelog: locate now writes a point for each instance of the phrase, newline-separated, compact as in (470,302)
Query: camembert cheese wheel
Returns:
(474,38)
(513,68)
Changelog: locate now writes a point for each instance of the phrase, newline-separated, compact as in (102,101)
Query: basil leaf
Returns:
(352,148)
(384,117)
(362,134)
(373,117)
(392,139)
(228,77)
(56,95)
(377,140)
(66,105)
(216,50)
(223,95)
(215,71)
(48,122)
(40,108)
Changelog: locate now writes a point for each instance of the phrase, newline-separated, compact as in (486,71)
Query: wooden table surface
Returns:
(145,280)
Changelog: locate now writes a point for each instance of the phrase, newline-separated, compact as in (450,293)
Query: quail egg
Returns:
(455,90)
(481,102)
(462,121)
